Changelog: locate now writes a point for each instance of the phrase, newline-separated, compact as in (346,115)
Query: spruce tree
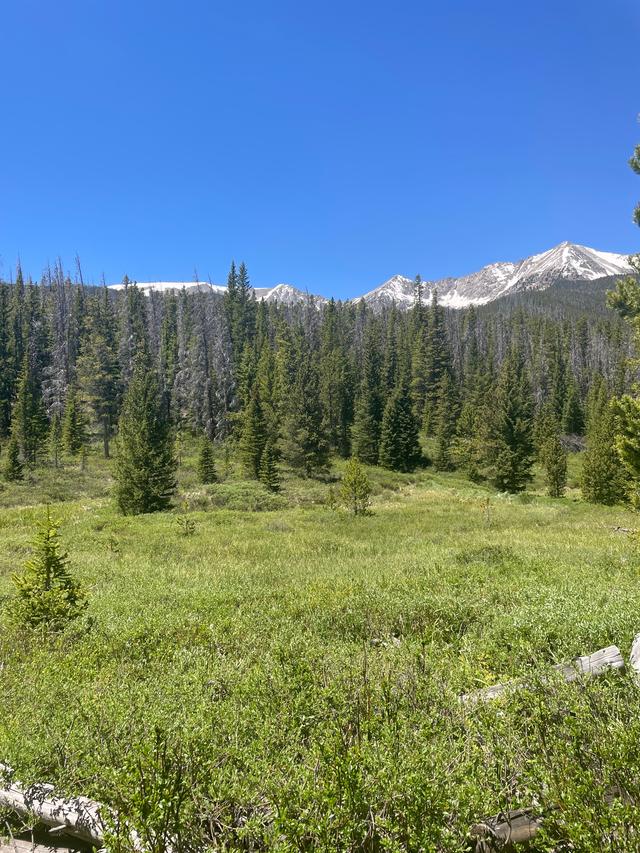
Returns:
(55,439)
(367,420)
(508,433)
(603,478)
(554,460)
(48,597)
(206,462)
(355,488)
(29,420)
(13,468)
(437,361)
(145,465)
(447,408)
(253,437)
(74,425)
(269,474)
(303,441)
(399,445)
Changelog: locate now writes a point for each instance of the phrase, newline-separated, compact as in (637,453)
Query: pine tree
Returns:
(627,442)
(303,443)
(269,475)
(603,479)
(572,415)
(437,361)
(55,439)
(98,369)
(367,419)
(554,460)
(355,488)
(447,409)
(206,462)
(13,468)
(29,425)
(253,437)
(48,597)
(399,445)
(74,425)
(508,435)
(145,464)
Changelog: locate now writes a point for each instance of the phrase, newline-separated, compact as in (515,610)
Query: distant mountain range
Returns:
(566,262)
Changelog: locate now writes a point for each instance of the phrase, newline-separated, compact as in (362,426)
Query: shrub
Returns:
(48,596)
(355,488)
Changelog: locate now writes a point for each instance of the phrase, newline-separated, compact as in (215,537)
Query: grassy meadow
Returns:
(288,677)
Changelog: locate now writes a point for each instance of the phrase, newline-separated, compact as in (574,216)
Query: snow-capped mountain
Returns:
(164,286)
(287,294)
(567,261)
(284,294)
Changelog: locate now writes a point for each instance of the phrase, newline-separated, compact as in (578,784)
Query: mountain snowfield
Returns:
(568,261)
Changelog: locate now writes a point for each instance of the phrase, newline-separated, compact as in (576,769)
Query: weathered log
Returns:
(519,826)
(503,830)
(80,816)
(593,664)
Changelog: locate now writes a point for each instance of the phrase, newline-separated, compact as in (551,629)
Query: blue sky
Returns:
(329,144)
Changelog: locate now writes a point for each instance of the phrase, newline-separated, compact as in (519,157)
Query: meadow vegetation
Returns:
(287,677)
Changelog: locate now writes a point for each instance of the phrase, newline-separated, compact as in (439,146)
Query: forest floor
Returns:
(287,677)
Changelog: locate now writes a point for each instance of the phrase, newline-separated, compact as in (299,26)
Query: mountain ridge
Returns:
(566,261)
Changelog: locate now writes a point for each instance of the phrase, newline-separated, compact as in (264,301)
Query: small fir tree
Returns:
(253,437)
(554,460)
(399,445)
(603,479)
(508,434)
(445,421)
(13,468)
(206,463)
(48,597)
(145,464)
(269,475)
(55,440)
(355,488)
(74,425)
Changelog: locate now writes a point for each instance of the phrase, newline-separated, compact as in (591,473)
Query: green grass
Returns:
(302,667)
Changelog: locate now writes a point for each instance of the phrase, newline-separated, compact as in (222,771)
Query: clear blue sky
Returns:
(328,144)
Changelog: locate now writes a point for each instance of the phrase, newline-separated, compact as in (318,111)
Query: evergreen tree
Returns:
(399,445)
(55,439)
(367,420)
(508,437)
(29,421)
(13,468)
(554,460)
(447,409)
(603,479)
(572,415)
(269,475)
(206,462)
(98,370)
(355,488)
(145,463)
(74,425)
(437,361)
(253,437)
(47,595)
(303,441)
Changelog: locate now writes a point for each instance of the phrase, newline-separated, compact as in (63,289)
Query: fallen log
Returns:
(634,657)
(503,830)
(80,816)
(587,665)
(519,826)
